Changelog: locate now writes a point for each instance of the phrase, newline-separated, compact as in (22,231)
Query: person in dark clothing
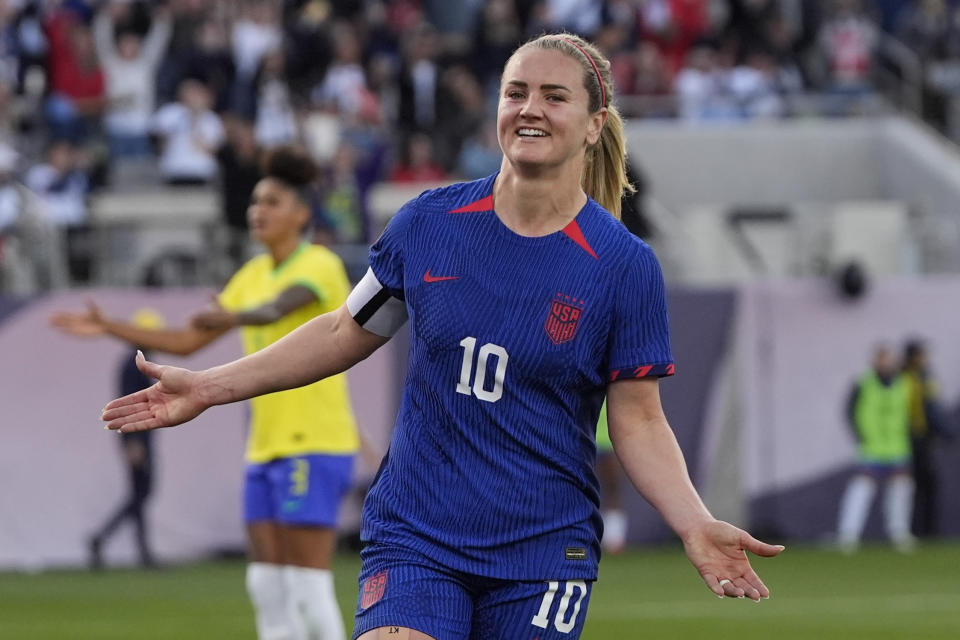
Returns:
(633,210)
(925,427)
(239,161)
(137,451)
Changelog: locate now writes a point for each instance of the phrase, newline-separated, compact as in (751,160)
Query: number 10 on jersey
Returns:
(478,389)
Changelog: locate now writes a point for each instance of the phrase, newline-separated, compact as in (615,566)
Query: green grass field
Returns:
(817,595)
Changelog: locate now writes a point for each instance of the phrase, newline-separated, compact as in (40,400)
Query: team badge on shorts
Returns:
(564,318)
(373,589)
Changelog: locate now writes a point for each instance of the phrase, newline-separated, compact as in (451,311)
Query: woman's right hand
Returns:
(174,399)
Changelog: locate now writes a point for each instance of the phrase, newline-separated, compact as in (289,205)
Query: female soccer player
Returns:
(527,301)
(302,442)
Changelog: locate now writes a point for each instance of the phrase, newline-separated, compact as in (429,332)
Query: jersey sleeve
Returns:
(231,298)
(327,278)
(640,336)
(377,302)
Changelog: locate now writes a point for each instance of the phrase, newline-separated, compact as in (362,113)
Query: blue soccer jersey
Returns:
(513,340)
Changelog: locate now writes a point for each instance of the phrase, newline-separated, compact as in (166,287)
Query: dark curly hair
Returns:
(291,165)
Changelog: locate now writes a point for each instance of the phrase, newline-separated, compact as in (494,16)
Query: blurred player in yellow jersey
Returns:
(302,442)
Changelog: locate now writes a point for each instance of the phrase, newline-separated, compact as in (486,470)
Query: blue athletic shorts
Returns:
(400,587)
(302,490)
(882,470)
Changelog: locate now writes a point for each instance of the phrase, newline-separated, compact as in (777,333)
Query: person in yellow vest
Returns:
(302,442)
(878,410)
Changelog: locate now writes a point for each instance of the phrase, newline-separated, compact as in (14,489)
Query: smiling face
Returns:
(276,214)
(543,116)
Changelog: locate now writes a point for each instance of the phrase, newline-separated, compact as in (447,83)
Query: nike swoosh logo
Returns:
(429,278)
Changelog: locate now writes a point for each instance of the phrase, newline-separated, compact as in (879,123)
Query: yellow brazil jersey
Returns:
(312,419)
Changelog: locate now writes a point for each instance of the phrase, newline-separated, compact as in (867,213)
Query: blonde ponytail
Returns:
(605,166)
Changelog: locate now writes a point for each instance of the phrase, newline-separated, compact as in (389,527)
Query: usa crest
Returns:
(564,318)
(373,588)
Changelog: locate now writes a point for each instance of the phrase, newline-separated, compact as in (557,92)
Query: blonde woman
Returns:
(527,302)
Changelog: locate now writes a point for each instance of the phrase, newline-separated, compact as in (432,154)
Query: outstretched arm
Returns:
(652,459)
(327,345)
(288,301)
(181,341)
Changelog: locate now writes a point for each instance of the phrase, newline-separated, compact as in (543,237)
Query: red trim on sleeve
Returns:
(643,371)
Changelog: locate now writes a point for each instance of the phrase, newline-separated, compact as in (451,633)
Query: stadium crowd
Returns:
(399,90)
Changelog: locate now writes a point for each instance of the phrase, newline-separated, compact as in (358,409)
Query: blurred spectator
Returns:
(345,82)
(419,80)
(10,198)
(848,39)
(25,41)
(322,132)
(130,64)
(403,15)
(749,22)
(256,32)
(878,411)
(62,184)
(369,142)
(276,121)
(461,108)
(8,113)
(753,86)
(701,87)
(890,12)
(674,26)
(926,427)
(307,43)
(199,48)
(30,253)
(76,83)
(190,134)
(579,16)
(378,34)
(644,74)
(189,17)
(239,161)
(480,155)
(497,33)
(783,42)
(342,207)
(418,163)
(455,20)
(614,41)
(925,26)
(384,90)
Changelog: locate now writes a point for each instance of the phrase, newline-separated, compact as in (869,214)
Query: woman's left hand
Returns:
(718,551)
